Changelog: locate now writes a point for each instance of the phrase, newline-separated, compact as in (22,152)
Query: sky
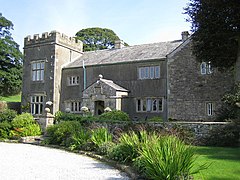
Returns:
(134,21)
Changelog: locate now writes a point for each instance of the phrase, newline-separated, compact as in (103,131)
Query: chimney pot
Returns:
(185,35)
(119,44)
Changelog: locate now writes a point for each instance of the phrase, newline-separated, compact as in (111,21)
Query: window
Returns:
(138,105)
(37,105)
(73,80)
(209,109)
(206,68)
(157,71)
(149,105)
(209,68)
(38,71)
(76,106)
(150,72)
(203,68)
(160,104)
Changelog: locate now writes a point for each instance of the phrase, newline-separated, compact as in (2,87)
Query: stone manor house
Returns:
(159,79)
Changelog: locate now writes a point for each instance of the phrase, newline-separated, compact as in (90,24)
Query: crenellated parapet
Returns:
(53,37)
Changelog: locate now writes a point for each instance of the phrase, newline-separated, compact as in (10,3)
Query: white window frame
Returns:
(146,73)
(203,68)
(149,72)
(73,80)
(37,69)
(206,68)
(209,108)
(74,106)
(160,104)
(157,72)
(209,68)
(139,105)
(37,102)
(149,104)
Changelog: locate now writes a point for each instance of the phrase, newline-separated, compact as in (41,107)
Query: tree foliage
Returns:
(231,110)
(97,38)
(10,60)
(216,27)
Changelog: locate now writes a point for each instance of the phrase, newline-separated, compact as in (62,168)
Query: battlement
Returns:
(53,36)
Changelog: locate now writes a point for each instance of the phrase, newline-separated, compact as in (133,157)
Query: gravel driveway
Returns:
(29,162)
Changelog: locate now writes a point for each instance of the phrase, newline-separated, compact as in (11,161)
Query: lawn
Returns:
(224,163)
(16,98)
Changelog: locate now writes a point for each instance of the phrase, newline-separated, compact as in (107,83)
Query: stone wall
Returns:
(3,105)
(199,130)
(189,91)
(10,105)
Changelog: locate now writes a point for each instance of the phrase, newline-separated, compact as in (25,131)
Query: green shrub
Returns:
(231,109)
(105,148)
(155,119)
(123,153)
(24,125)
(80,140)
(114,116)
(165,158)
(100,136)
(5,128)
(63,133)
(60,116)
(7,115)
(127,149)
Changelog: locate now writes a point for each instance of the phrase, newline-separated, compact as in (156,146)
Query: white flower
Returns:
(107,109)
(84,109)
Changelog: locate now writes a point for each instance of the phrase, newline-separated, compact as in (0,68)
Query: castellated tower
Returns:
(43,60)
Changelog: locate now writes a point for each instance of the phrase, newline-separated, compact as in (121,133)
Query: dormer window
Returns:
(206,68)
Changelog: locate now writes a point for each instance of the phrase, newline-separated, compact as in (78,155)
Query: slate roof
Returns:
(126,54)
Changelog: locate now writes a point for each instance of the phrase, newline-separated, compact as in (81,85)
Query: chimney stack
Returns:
(185,35)
(119,44)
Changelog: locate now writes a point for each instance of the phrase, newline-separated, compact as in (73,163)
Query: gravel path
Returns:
(28,162)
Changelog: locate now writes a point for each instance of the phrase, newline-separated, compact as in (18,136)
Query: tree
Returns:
(97,38)
(10,60)
(216,27)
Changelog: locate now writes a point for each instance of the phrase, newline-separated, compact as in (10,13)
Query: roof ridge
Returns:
(136,53)
(173,41)
(106,80)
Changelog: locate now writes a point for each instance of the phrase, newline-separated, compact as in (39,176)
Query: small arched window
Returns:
(209,68)
(206,68)
(203,68)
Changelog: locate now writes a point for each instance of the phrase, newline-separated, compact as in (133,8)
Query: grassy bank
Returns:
(224,163)
(15,98)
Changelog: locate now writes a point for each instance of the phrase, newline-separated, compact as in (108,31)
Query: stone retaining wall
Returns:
(200,130)
(10,105)
(3,105)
